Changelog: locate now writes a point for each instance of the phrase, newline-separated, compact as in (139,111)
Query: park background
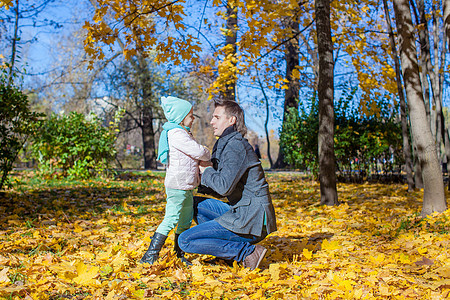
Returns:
(347,102)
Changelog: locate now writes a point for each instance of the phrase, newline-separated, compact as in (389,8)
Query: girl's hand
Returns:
(205,164)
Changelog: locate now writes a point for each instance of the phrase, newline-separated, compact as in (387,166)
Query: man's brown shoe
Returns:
(253,260)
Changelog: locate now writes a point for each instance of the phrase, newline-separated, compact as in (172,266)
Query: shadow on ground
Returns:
(79,200)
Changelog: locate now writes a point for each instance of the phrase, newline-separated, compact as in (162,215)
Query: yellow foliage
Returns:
(333,245)
(85,274)
(4,275)
(307,254)
(353,251)
(6,3)
(197,274)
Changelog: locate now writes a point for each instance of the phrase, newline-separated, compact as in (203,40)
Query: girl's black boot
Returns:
(152,253)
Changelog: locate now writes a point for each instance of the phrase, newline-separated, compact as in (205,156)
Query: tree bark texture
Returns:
(446,17)
(148,139)
(434,198)
(230,43)
(292,61)
(436,87)
(148,132)
(429,70)
(315,67)
(445,130)
(266,122)
(292,92)
(14,42)
(401,96)
(425,56)
(327,166)
(446,140)
(418,178)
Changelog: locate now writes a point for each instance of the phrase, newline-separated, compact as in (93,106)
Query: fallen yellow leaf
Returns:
(4,275)
(307,254)
(86,275)
(333,245)
(422,251)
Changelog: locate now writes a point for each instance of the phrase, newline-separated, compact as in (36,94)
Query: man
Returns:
(231,230)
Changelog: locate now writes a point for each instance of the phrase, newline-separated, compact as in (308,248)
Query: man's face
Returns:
(220,121)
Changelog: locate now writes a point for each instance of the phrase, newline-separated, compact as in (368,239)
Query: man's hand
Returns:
(202,169)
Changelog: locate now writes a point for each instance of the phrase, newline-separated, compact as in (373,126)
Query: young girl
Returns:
(178,149)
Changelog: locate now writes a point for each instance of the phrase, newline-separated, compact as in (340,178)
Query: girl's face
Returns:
(189,119)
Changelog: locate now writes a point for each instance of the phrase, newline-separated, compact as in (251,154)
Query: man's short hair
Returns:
(232,109)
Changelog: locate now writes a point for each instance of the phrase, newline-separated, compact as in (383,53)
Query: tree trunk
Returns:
(327,167)
(424,57)
(401,95)
(446,141)
(145,105)
(14,42)
(439,75)
(445,129)
(266,101)
(269,156)
(292,92)
(148,139)
(446,17)
(418,178)
(436,87)
(427,69)
(292,61)
(148,133)
(313,54)
(434,198)
(231,47)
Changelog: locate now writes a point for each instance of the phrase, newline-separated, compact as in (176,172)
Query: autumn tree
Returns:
(17,123)
(71,86)
(432,64)
(434,198)
(261,21)
(266,130)
(228,65)
(270,51)
(432,98)
(134,25)
(18,15)
(401,95)
(291,94)
(79,87)
(102,32)
(446,17)
(286,30)
(327,166)
(138,91)
(201,77)
(373,58)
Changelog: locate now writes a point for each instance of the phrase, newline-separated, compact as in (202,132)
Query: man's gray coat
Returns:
(238,175)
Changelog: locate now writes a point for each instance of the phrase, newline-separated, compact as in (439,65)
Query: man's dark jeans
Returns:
(209,237)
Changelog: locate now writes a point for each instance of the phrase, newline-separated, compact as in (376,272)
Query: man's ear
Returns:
(232,120)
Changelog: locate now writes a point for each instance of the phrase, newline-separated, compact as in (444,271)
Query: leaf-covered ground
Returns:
(83,240)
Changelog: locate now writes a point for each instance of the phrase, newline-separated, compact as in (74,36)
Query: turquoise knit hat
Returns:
(175,109)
